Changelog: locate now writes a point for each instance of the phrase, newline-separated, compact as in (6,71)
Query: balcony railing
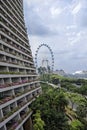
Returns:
(13,111)
(14,125)
(6,99)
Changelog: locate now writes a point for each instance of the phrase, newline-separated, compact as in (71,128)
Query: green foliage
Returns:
(80,81)
(52,105)
(82,110)
(76,125)
(68,86)
(75,98)
(38,122)
(83,89)
(45,77)
(42,70)
(55,79)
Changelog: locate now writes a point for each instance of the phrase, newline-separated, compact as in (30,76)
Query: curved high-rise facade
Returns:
(19,83)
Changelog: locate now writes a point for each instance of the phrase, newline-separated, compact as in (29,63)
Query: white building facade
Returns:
(19,84)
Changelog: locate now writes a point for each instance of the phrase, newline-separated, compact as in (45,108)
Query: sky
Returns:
(62,25)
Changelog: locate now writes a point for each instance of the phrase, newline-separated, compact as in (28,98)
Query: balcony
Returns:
(8,114)
(8,111)
(6,99)
(13,124)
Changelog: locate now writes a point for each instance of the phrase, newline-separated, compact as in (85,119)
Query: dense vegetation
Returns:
(55,111)
(51,105)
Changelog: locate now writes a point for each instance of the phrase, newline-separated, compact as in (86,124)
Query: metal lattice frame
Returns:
(51,52)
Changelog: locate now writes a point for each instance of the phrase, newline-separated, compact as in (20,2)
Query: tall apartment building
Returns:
(19,83)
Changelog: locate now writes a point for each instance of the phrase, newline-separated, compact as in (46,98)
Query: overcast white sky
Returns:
(62,24)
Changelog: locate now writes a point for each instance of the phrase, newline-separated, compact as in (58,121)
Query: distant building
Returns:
(81,72)
(19,83)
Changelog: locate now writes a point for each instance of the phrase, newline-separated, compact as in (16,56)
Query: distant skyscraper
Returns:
(19,83)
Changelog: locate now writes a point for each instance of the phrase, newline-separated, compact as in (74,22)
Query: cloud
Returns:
(42,18)
(35,24)
(80,13)
(76,8)
(62,24)
(55,11)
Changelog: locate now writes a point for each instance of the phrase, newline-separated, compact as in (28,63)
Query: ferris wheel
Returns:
(47,59)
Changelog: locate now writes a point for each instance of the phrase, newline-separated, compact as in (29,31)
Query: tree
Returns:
(75,99)
(83,90)
(82,110)
(38,122)
(69,86)
(76,125)
(52,105)
(61,101)
(42,70)
(55,79)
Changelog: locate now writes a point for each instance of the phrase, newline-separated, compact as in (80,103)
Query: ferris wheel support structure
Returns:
(51,52)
